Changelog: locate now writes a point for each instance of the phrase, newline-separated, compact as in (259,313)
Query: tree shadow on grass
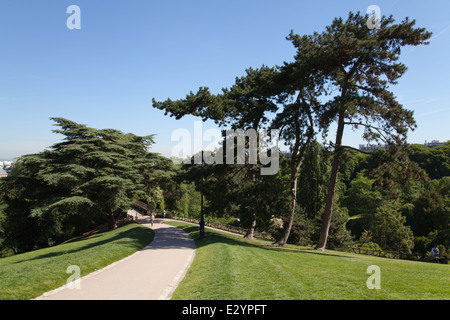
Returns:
(212,237)
(135,238)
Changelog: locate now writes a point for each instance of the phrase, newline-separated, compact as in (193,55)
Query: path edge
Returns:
(167,293)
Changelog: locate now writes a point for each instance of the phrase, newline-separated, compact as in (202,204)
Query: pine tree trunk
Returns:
(251,230)
(111,220)
(295,169)
(288,224)
(328,212)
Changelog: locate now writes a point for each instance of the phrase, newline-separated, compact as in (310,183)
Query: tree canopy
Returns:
(92,176)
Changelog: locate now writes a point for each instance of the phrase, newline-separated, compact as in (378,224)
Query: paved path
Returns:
(150,274)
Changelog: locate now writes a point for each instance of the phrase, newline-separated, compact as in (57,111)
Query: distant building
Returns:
(371,147)
(5,168)
(434,144)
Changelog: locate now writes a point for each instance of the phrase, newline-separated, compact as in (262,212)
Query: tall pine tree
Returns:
(359,65)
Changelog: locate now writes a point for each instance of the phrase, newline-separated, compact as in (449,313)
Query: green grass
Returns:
(28,275)
(228,267)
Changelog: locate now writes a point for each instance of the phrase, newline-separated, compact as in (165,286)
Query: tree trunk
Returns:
(295,169)
(328,212)
(288,224)
(111,220)
(251,230)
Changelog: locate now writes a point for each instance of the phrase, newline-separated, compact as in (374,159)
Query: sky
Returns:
(105,74)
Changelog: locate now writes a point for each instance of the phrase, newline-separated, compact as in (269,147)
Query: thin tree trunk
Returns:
(328,212)
(288,224)
(251,230)
(295,169)
(111,220)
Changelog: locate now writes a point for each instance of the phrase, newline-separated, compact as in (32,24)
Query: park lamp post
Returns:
(202,220)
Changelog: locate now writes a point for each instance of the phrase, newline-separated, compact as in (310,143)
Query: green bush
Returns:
(302,231)
(370,246)
(443,252)
(422,245)
(340,237)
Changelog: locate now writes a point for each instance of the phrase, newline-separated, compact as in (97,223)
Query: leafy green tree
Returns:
(340,236)
(362,201)
(435,161)
(352,163)
(390,230)
(183,198)
(313,180)
(431,214)
(302,231)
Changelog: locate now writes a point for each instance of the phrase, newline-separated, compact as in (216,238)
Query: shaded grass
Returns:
(228,267)
(28,275)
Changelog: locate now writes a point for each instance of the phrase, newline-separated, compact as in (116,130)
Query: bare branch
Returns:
(351,148)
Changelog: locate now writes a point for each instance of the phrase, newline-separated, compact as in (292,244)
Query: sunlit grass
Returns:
(228,267)
(28,275)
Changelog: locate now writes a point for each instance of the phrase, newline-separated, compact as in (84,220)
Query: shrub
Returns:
(370,246)
(302,230)
(443,252)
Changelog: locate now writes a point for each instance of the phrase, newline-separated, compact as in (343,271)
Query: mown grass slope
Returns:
(228,267)
(28,275)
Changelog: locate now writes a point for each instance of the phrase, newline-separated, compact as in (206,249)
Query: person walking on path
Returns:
(152,218)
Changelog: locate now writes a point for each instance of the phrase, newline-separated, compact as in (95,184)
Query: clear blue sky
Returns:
(128,52)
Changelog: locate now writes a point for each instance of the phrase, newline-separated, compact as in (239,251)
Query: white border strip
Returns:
(66,286)
(167,294)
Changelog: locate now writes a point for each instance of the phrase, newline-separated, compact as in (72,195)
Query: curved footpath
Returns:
(152,273)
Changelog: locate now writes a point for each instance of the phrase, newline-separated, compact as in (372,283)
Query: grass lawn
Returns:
(228,267)
(28,275)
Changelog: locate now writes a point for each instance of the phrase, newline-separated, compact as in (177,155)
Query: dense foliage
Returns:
(92,177)
(412,220)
